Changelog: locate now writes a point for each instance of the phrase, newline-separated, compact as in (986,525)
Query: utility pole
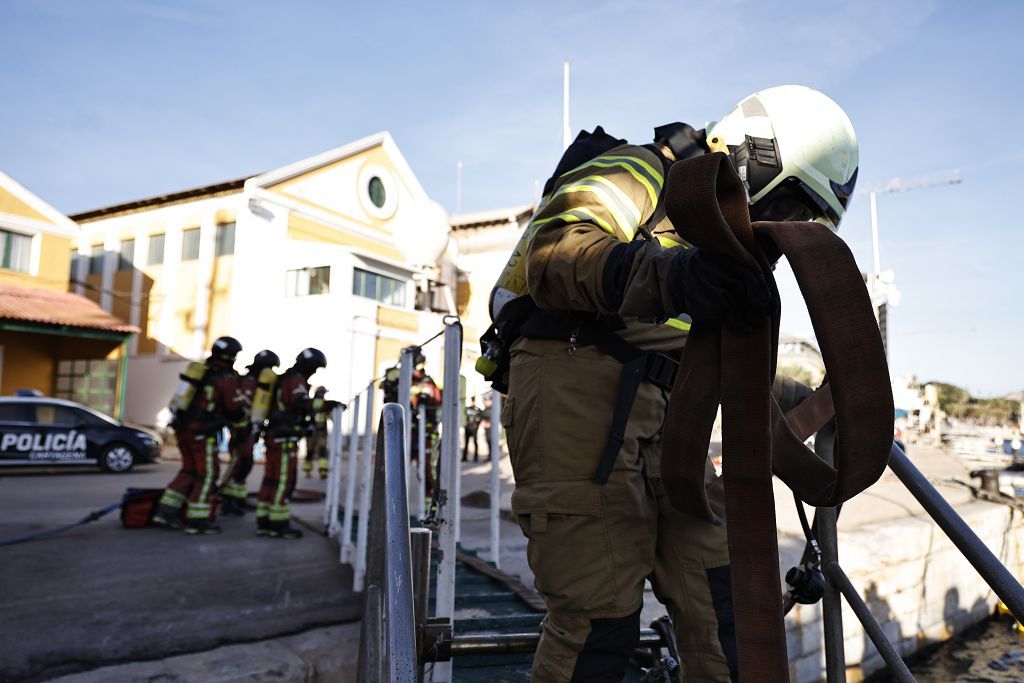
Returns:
(566,133)
(880,283)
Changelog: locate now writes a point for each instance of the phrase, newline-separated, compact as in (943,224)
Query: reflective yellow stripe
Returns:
(605,200)
(571,217)
(678,324)
(636,160)
(623,198)
(282,480)
(208,477)
(669,242)
(617,203)
(648,181)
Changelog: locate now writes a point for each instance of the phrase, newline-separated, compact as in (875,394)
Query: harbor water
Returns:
(991,652)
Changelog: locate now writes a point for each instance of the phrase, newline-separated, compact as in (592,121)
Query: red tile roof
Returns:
(46,307)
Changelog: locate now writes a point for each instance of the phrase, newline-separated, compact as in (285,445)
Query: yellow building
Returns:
(52,341)
(343,251)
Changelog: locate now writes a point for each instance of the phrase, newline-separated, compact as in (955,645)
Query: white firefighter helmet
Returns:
(795,150)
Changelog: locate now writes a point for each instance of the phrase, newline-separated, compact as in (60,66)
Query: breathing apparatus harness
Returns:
(209,422)
(281,422)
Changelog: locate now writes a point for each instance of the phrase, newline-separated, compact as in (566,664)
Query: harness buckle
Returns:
(660,370)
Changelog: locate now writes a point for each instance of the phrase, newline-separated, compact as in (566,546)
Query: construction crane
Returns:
(881,284)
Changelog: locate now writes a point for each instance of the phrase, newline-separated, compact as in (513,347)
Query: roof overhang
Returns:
(56,222)
(29,309)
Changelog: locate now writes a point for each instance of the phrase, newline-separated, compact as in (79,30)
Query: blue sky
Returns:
(108,101)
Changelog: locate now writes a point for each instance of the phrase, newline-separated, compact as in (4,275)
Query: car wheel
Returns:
(117,458)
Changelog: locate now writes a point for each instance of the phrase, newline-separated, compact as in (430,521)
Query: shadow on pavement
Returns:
(101,594)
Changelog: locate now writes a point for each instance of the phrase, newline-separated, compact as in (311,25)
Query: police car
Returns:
(51,431)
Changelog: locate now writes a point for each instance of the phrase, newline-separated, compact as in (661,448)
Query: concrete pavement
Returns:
(101,594)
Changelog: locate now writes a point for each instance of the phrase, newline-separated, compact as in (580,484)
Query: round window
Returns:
(377,193)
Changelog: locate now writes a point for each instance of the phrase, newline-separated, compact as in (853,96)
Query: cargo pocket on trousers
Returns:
(522,417)
(568,546)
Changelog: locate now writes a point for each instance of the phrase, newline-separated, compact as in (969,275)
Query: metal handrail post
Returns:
(897,667)
(387,637)
(828,539)
(423,461)
(444,604)
(999,579)
(350,485)
(495,452)
(406,359)
(419,540)
(329,488)
(365,482)
(331,522)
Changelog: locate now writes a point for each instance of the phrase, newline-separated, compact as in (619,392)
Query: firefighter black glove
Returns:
(711,287)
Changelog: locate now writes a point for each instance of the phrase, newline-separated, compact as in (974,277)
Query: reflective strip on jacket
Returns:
(591,210)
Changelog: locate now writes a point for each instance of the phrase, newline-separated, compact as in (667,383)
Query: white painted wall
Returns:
(151,383)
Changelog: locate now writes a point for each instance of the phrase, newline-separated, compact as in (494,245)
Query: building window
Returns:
(74,262)
(127,258)
(309,281)
(387,290)
(96,260)
(156,250)
(190,244)
(225,239)
(377,193)
(15,251)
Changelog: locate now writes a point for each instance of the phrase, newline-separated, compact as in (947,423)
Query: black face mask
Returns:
(792,200)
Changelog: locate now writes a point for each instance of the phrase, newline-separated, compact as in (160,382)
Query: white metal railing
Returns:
(365,481)
(421,462)
(351,499)
(334,455)
(494,450)
(406,361)
(350,483)
(387,634)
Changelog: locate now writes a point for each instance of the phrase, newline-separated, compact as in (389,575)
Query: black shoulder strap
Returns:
(585,147)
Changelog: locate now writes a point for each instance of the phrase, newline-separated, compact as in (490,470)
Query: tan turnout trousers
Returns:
(591,546)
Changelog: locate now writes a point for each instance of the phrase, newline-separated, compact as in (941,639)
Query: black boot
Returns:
(166,517)
(201,527)
(263,527)
(285,530)
(232,507)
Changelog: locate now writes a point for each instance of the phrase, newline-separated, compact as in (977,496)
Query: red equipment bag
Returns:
(138,506)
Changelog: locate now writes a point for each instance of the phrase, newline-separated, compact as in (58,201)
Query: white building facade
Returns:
(343,251)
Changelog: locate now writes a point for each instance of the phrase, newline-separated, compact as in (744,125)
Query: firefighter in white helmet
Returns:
(796,152)
(599,280)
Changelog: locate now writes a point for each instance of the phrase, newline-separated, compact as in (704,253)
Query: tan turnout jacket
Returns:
(590,210)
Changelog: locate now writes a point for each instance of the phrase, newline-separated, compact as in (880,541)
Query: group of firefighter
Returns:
(281,409)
